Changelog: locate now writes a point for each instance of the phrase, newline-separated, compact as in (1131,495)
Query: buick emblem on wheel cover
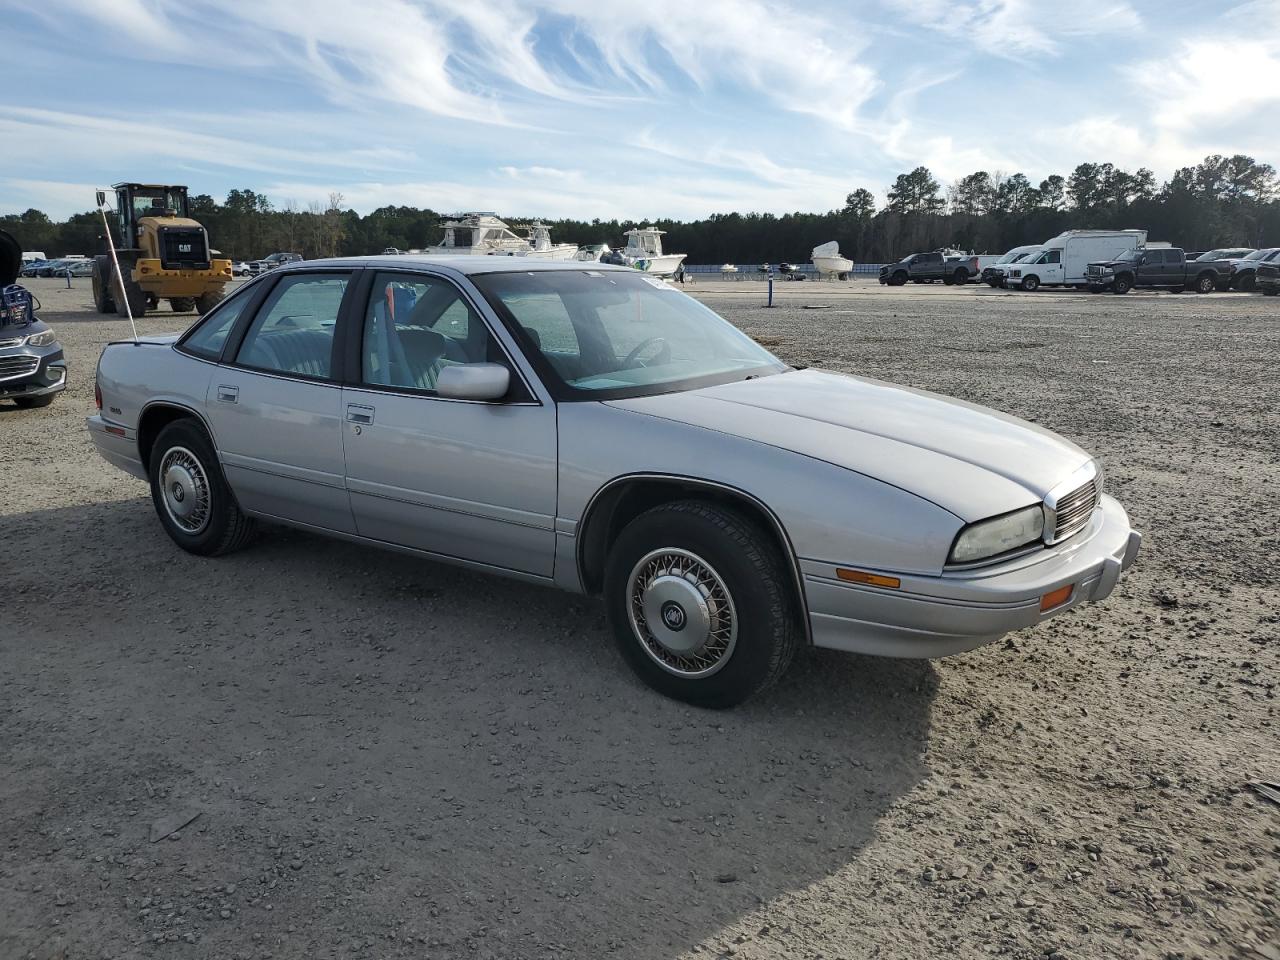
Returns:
(673,616)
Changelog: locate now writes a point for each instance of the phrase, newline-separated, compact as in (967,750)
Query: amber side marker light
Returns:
(874,579)
(1056,598)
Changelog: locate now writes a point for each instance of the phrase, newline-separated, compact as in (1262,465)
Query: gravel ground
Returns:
(392,758)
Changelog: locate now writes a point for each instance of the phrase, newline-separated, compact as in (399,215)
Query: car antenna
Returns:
(115,262)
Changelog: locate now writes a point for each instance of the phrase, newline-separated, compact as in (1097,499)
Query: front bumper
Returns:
(49,375)
(118,445)
(955,612)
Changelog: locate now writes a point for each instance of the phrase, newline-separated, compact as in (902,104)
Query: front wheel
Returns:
(1031,284)
(193,501)
(898,279)
(1121,285)
(182,304)
(1248,283)
(698,600)
(27,403)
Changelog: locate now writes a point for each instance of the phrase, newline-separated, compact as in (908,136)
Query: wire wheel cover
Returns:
(184,488)
(681,612)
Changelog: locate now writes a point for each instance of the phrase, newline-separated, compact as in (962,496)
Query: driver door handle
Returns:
(228,394)
(359,413)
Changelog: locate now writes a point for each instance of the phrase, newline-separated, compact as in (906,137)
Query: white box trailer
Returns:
(1062,260)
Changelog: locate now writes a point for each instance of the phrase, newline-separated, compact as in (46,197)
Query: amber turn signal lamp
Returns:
(874,579)
(1056,598)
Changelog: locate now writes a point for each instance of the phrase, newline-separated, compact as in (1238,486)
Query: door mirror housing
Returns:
(473,381)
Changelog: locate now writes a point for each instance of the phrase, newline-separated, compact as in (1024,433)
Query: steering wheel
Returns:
(633,358)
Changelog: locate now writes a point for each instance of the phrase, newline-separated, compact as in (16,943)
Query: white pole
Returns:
(119,277)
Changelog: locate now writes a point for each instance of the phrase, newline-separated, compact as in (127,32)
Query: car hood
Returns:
(970,460)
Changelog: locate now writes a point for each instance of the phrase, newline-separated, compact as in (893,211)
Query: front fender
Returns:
(827,513)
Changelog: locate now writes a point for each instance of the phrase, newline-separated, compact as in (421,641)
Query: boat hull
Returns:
(833,264)
(663,266)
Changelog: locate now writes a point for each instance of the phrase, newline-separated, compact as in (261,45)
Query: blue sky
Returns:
(635,109)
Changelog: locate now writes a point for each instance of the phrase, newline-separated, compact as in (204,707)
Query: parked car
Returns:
(30,267)
(271,261)
(1268,278)
(928,267)
(1064,259)
(1245,274)
(993,275)
(1222,253)
(239,268)
(1165,268)
(33,369)
(587,427)
(56,268)
(79,268)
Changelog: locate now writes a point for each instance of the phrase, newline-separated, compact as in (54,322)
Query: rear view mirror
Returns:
(473,381)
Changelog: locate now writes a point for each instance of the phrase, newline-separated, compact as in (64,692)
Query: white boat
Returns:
(644,252)
(481,234)
(543,249)
(828,262)
(593,252)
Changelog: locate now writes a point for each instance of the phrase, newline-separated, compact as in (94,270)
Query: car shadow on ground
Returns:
(378,744)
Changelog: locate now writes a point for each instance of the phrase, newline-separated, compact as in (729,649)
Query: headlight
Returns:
(41,339)
(988,538)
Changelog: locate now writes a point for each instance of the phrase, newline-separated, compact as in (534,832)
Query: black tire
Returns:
(28,403)
(960,277)
(207,301)
(222,527)
(1121,285)
(102,271)
(132,294)
(898,279)
(1248,283)
(182,304)
(742,561)
(1030,284)
(1206,283)
(1269,291)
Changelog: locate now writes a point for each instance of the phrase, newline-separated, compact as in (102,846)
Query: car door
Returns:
(1152,270)
(471,480)
(1051,267)
(276,404)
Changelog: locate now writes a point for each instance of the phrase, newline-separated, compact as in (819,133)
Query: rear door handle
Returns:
(228,394)
(358,413)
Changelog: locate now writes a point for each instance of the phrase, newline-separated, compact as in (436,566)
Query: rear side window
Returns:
(293,331)
(210,334)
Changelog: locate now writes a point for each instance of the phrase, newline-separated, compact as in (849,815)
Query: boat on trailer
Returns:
(644,252)
(828,262)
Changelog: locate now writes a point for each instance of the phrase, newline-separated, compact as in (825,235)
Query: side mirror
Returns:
(102,198)
(474,381)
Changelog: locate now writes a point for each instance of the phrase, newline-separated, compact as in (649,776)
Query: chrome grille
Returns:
(11,367)
(1073,510)
(12,342)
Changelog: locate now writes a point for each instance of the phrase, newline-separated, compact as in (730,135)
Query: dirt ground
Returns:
(393,758)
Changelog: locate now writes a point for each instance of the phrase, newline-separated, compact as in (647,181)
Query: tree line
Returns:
(1222,201)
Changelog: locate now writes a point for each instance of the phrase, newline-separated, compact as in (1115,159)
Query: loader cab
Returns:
(134,201)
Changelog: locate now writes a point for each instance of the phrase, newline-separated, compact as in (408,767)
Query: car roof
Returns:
(466,265)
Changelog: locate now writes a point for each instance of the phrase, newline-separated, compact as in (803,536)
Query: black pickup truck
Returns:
(1166,267)
(927,267)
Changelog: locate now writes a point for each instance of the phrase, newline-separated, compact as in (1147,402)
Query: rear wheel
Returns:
(697,598)
(1031,284)
(1206,283)
(1248,283)
(182,304)
(960,277)
(131,294)
(207,301)
(102,271)
(191,497)
(1121,284)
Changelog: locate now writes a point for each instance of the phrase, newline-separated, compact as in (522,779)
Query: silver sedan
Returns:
(589,427)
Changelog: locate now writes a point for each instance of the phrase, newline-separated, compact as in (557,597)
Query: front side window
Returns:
(293,331)
(414,327)
(608,334)
(210,334)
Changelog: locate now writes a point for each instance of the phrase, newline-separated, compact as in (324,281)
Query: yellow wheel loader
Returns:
(163,255)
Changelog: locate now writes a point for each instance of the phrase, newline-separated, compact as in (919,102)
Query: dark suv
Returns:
(32,368)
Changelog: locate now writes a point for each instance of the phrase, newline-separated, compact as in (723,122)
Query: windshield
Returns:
(1013,256)
(1222,254)
(1130,255)
(1261,255)
(611,334)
